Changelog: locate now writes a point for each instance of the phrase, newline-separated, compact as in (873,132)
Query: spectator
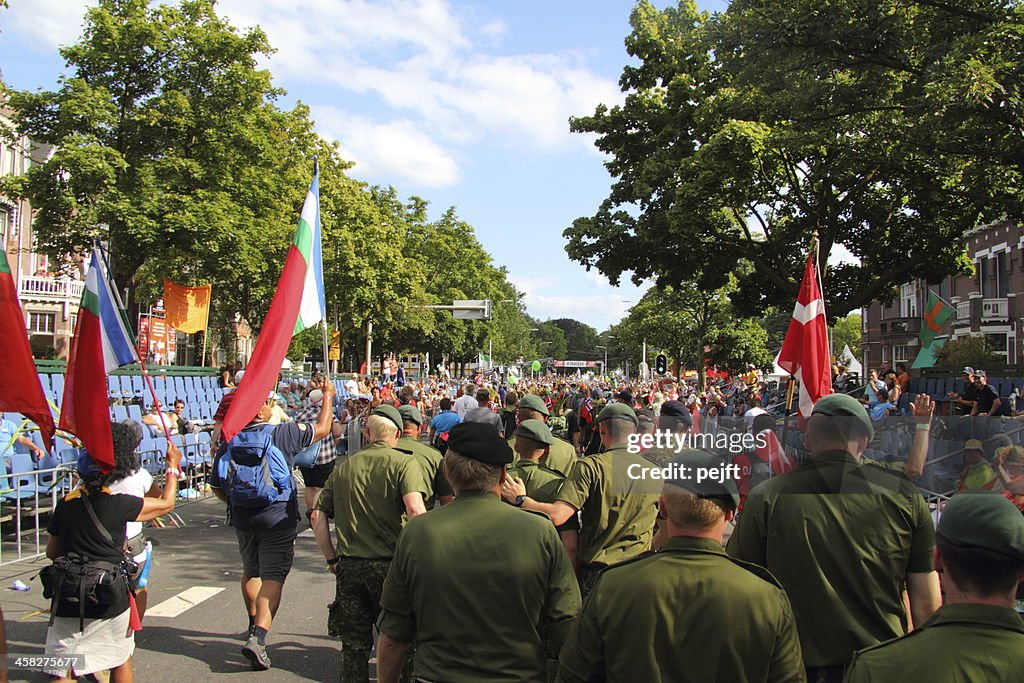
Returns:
(874,390)
(989,402)
(90,522)
(483,413)
(159,421)
(966,402)
(9,436)
(902,378)
(508,413)
(327,454)
(977,474)
(466,402)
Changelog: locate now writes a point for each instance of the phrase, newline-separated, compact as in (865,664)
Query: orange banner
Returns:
(188,308)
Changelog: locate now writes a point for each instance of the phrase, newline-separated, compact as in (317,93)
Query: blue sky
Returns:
(461,103)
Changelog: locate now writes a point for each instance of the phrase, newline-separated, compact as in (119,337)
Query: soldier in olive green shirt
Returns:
(687,612)
(618,508)
(977,635)
(561,455)
(428,457)
(477,585)
(366,496)
(844,539)
(532,441)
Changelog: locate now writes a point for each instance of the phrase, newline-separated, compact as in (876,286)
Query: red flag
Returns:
(20,390)
(805,351)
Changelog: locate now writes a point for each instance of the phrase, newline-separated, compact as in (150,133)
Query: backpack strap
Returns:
(96,521)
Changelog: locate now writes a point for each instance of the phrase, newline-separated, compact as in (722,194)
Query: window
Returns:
(885,354)
(5,228)
(908,301)
(41,323)
(899,353)
(997,342)
(74,322)
(10,159)
(1002,264)
(864,320)
(983,286)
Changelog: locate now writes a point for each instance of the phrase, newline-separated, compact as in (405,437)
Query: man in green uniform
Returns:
(976,635)
(476,584)
(428,458)
(844,539)
(618,509)
(561,455)
(532,443)
(365,496)
(737,621)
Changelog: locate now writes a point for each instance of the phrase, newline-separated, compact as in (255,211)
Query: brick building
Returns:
(986,304)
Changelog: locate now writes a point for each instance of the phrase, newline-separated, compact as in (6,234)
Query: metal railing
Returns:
(50,288)
(38,497)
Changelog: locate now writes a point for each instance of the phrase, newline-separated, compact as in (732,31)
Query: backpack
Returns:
(440,442)
(559,426)
(257,472)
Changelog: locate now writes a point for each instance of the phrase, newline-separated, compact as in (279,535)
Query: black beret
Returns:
(677,411)
(480,441)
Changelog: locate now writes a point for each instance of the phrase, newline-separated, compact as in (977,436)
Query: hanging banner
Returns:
(157,341)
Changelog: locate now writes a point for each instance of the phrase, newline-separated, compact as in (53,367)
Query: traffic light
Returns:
(661,364)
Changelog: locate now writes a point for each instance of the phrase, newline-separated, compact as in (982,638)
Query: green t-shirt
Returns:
(429,459)
(363,496)
(618,511)
(841,537)
(978,476)
(480,586)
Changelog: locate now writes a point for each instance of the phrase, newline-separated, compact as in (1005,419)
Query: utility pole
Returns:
(369,348)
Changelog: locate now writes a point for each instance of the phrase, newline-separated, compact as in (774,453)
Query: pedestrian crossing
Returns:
(183,601)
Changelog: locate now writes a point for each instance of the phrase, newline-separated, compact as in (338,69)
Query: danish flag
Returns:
(804,353)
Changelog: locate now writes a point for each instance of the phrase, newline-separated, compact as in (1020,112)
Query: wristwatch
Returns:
(518,502)
(333,561)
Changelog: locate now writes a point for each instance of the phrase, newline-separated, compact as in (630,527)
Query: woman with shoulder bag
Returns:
(90,612)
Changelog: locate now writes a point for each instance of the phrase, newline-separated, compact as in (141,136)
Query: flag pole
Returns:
(790,386)
(142,364)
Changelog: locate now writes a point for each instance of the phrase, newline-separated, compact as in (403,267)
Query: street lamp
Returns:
(604,368)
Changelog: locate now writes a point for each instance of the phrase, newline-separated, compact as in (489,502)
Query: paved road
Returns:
(205,638)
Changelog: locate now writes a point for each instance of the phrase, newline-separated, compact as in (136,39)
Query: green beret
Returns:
(479,441)
(700,462)
(843,406)
(535,430)
(983,519)
(616,410)
(411,414)
(391,413)
(534,402)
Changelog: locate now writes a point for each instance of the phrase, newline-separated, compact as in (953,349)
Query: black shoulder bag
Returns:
(78,580)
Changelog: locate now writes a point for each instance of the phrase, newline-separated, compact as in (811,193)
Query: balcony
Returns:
(995,310)
(40,288)
(963,312)
(900,326)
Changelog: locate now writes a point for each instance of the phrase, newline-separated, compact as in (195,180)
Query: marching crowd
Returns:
(828,569)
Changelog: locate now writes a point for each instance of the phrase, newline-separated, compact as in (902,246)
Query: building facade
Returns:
(49,302)
(989,303)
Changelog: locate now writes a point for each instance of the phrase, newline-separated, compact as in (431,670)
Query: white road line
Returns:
(308,533)
(183,601)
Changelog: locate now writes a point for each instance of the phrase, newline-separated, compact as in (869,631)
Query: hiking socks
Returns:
(261,634)
(252,624)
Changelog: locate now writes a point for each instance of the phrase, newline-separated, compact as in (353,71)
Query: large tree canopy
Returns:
(888,127)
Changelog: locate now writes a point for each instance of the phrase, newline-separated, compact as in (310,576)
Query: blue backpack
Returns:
(257,471)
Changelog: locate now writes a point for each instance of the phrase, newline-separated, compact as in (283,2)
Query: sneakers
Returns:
(256,654)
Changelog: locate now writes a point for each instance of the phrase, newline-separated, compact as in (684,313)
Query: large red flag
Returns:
(20,390)
(805,351)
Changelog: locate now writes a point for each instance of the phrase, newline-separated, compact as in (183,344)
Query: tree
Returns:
(973,351)
(169,147)
(847,331)
(745,133)
(581,340)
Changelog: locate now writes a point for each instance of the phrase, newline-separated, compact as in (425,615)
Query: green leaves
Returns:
(888,128)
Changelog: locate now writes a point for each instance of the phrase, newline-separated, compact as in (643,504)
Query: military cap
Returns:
(843,406)
(974,445)
(411,414)
(677,411)
(391,413)
(701,462)
(481,442)
(535,430)
(986,520)
(534,402)
(616,410)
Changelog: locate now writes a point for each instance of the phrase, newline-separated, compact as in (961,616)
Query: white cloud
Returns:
(598,310)
(493,29)
(396,150)
(45,24)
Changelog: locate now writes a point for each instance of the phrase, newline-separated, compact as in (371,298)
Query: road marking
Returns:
(308,533)
(183,601)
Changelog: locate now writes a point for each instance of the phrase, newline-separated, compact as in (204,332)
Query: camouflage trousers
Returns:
(354,612)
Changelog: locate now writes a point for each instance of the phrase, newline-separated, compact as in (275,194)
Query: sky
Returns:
(464,104)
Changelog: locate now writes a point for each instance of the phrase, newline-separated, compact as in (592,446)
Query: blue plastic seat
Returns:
(20,482)
(120,413)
